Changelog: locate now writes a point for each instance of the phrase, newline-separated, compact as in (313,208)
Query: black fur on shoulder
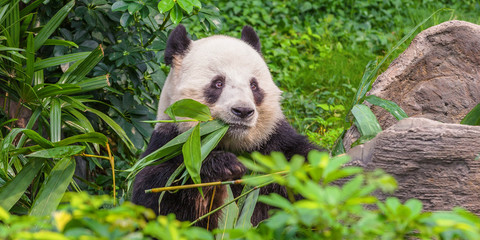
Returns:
(177,44)
(250,36)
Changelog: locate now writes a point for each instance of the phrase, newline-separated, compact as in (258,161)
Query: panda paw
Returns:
(222,166)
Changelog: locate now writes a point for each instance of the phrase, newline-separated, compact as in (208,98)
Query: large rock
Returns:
(437,77)
(432,161)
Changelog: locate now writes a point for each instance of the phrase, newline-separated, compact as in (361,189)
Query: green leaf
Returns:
(59,42)
(58,152)
(229,213)
(11,192)
(211,140)
(30,7)
(30,55)
(189,108)
(366,121)
(473,117)
(52,25)
(84,67)
(186,5)
(388,105)
(176,15)
(55,120)
(119,6)
(53,188)
(244,220)
(120,132)
(173,147)
(89,84)
(192,156)
(92,137)
(50,90)
(44,143)
(55,61)
(165,5)
(134,7)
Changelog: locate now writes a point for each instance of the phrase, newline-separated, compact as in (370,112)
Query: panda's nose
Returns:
(242,112)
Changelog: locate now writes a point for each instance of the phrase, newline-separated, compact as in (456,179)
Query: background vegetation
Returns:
(78,78)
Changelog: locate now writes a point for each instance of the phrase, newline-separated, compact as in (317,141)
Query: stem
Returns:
(228,203)
(112,163)
(170,121)
(161,28)
(238,181)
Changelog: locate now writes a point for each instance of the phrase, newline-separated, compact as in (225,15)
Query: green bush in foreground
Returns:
(328,210)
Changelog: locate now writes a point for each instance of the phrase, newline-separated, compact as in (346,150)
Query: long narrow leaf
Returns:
(366,121)
(31,122)
(55,61)
(30,7)
(229,214)
(58,152)
(473,117)
(37,138)
(52,25)
(30,55)
(84,67)
(120,132)
(172,147)
(93,83)
(13,190)
(55,120)
(192,156)
(93,137)
(189,108)
(54,187)
(244,220)
(58,42)
(388,105)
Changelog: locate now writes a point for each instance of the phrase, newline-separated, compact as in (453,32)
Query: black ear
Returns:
(177,43)
(250,36)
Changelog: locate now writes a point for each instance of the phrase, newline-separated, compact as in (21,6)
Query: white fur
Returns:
(239,63)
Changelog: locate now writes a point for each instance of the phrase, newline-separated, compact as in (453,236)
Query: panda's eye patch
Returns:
(258,93)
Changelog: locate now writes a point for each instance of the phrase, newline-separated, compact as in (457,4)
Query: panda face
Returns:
(231,77)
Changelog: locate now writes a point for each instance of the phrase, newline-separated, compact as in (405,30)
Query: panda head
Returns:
(230,76)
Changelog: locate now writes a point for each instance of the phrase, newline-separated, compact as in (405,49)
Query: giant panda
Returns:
(231,77)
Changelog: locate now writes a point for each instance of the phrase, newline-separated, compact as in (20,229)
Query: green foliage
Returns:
(92,217)
(337,203)
(473,117)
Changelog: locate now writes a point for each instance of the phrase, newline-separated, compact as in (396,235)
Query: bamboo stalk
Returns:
(238,181)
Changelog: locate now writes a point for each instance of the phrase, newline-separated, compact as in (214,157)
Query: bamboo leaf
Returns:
(388,105)
(58,152)
(55,61)
(120,132)
(244,220)
(30,54)
(59,42)
(92,137)
(84,67)
(89,84)
(5,146)
(55,120)
(366,121)
(52,25)
(473,117)
(11,192)
(50,90)
(30,7)
(44,143)
(189,108)
(53,188)
(211,141)
(173,147)
(229,214)
(192,156)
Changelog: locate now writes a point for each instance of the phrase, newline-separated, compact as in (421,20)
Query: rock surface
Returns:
(437,77)
(432,161)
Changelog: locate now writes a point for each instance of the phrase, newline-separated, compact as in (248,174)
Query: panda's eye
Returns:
(219,84)
(253,86)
